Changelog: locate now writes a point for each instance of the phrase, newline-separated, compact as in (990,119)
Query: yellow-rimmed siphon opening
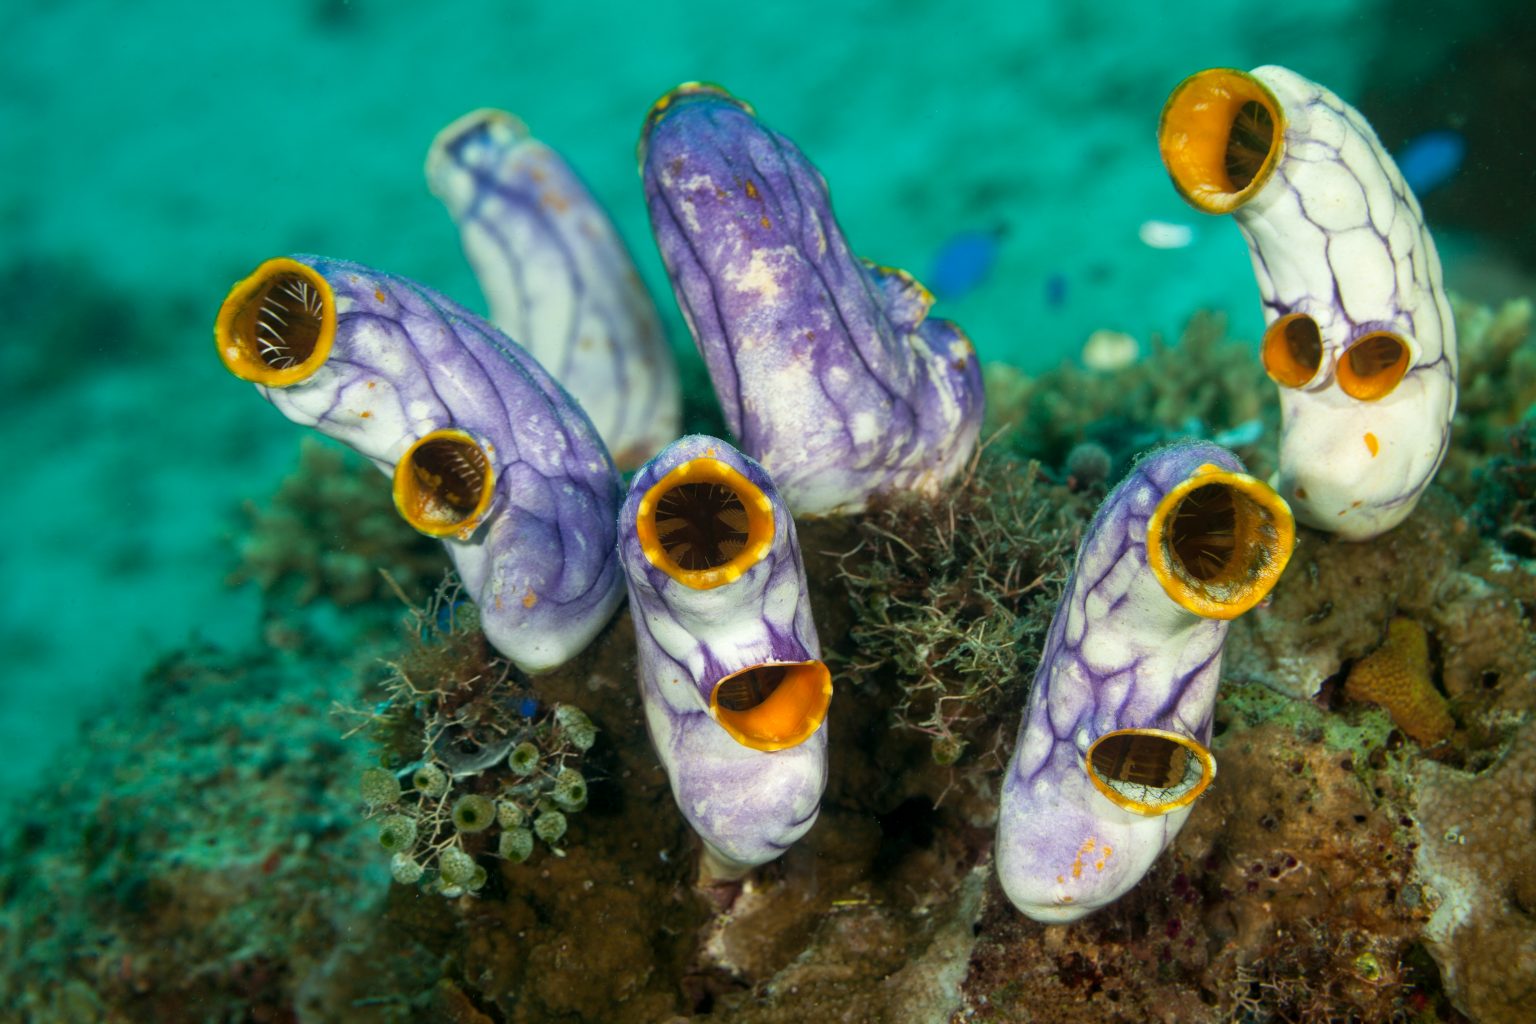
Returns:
(1219,540)
(773,706)
(1221,135)
(671,97)
(1292,350)
(1373,366)
(444,484)
(704,524)
(277,326)
(1149,771)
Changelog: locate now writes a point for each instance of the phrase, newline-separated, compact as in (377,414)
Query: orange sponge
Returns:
(1396,676)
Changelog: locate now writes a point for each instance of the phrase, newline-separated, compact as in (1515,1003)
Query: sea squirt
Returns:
(828,369)
(558,278)
(486,450)
(1115,744)
(731,676)
(1360,337)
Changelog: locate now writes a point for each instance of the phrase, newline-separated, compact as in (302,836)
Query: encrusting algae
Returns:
(1396,676)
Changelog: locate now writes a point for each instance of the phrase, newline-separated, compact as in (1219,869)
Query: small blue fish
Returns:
(1056,290)
(1431,159)
(963,263)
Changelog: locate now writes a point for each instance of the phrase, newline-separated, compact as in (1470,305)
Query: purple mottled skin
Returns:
(747,805)
(1120,654)
(827,369)
(407,361)
(558,278)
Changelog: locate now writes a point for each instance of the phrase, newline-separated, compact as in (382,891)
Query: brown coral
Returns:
(1327,609)
(1476,858)
(1281,900)
(1396,676)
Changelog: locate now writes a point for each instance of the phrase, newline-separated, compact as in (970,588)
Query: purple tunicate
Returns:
(731,676)
(1113,750)
(559,279)
(487,451)
(828,369)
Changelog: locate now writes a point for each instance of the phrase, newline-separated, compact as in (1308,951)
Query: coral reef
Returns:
(1474,600)
(1476,857)
(197,854)
(1285,898)
(1334,604)
(1204,384)
(331,531)
(1292,893)
(950,597)
(469,761)
(458,840)
(1472,593)
(870,892)
(1396,676)
(1330,872)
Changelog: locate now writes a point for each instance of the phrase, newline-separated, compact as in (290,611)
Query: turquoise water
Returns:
(210,855)
(155,152)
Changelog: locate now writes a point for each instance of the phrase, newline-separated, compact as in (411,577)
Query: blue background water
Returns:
(153,152)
